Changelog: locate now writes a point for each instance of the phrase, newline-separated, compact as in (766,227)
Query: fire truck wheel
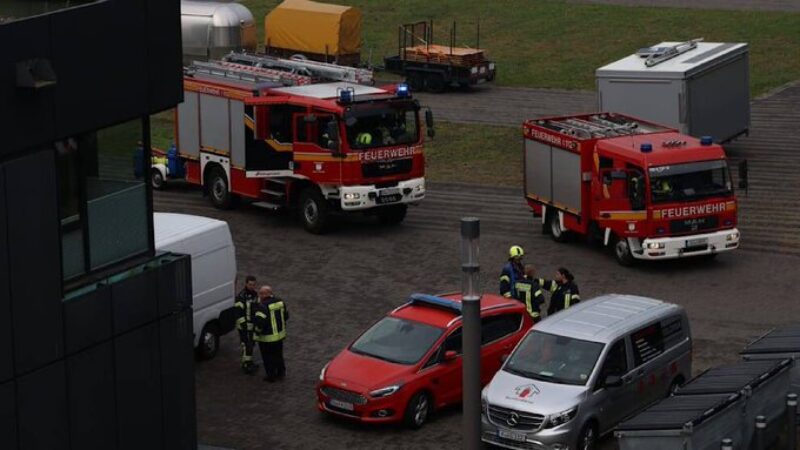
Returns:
(156,179)
(435,83)
(314,211)
(622,252)
(559,234)
(392,215)
(221,196)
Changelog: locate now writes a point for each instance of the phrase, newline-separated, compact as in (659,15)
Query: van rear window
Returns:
(672,331)
(648,343)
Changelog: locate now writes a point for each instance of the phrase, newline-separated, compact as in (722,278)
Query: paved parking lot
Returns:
(338,284)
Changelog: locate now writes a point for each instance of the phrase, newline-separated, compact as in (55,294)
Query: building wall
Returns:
(106,363)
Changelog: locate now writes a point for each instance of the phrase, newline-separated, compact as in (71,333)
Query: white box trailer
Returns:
(703,90)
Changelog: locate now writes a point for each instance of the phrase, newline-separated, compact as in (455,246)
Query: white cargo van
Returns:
(208,242)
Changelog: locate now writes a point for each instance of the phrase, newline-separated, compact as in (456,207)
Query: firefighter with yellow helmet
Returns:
(513,271)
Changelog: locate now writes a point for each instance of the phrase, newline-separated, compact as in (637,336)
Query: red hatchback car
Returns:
(409,363)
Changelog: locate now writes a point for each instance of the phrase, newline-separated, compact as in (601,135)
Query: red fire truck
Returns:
(321,148)
(647,190)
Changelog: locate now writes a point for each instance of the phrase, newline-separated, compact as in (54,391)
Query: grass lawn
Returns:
(548,43)
(478,154)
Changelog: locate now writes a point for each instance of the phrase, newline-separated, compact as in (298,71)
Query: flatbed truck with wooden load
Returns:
(432,67)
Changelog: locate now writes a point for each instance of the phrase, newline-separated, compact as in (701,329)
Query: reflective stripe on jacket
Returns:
(508,279)
(563,295)
(270,321)
(530,293)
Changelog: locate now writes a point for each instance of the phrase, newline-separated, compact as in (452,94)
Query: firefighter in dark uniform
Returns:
(245,300)
(529,291)
(513,271)
(564,291)
(271,316)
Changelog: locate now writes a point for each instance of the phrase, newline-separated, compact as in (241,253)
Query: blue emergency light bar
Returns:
(346,95)
(432,300)
(403,91)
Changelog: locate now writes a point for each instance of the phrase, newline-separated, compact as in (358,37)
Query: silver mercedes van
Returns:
(580,372)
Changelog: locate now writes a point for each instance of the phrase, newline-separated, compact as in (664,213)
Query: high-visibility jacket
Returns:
(508,279)
(244,309)
(563,295)
(270,320)
(529,291)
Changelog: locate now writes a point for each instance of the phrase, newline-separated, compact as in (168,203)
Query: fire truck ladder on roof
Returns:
(315,69)
(597,126)
(657,55)
(240,72)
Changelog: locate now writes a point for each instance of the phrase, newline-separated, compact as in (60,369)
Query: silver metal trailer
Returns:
(763,384)
(212,29)
(687,422)
(700,88)
(778,343)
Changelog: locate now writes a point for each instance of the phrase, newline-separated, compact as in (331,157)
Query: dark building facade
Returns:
(95,327)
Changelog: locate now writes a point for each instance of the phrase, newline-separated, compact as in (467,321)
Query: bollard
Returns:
(727,444)
(791,421)
(761,433)
(471,340)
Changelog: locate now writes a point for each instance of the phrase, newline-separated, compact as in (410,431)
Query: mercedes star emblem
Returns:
(513,419)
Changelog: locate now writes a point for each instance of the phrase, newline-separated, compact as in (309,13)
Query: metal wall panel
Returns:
(537,167)
(96,89)
(135,301)
(164,67)
(237,133)
(214,126)
(177,371)
(175,285)
(42,409)
(138,389)
(87,320)
(188,121)
(34,247)
(8,416)
(92,408)
(658,101)
(567,179)
(6,340)
(719,101)
(26,118)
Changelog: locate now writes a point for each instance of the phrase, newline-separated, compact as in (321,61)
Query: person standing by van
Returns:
(564,291)
(529,292)
(245,300)
(271,316)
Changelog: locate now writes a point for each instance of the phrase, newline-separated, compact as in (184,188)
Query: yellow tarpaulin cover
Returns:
(308,26)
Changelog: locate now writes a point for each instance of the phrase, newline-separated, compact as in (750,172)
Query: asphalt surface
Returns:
(338,284)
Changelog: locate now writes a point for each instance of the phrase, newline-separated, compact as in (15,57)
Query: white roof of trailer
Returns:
(329,90)
(706,54)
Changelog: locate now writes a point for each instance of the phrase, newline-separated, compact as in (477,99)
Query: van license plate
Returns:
(696,242)
(511,436)
(342,405)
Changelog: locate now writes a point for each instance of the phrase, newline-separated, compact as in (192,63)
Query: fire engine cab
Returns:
(646,189)
(321,148)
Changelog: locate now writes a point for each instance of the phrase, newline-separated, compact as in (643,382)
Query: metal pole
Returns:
(727,444)
(791,421)
(761,432)
(471,314)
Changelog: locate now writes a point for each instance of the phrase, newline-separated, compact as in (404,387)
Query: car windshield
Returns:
(397,340)
(689,181)
(383,127)
(557,359)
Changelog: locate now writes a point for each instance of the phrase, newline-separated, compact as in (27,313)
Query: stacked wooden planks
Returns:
(442,54)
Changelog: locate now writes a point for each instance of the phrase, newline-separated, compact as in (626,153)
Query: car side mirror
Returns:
(332,130)
(450,355)
(429,123)
(612,381)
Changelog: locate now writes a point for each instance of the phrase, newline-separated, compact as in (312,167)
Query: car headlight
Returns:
(554,420)
(322,372)
(732,237)
(386,391)
(655,245)
(352,196)
(473,70)
(491,66)
(484,401)
(420,187)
